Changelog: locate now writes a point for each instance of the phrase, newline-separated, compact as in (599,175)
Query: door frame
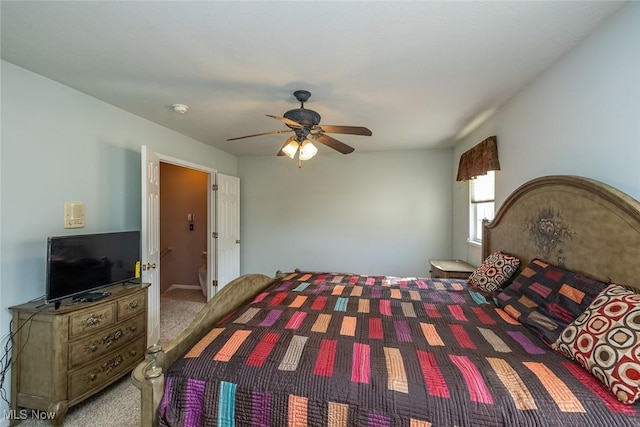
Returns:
(211,213)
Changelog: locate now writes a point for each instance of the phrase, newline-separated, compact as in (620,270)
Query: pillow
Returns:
(494,271)
(546,298)
(605,340)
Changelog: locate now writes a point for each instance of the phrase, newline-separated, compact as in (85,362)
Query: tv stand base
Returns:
(91,296)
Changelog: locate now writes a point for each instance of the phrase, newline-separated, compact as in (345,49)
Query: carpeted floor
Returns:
(119,404)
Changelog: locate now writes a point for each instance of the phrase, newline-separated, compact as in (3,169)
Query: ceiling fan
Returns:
(305,124)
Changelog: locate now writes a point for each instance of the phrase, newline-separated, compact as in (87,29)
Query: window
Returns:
(481,204)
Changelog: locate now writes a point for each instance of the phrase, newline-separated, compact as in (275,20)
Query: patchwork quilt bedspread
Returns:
(326,349)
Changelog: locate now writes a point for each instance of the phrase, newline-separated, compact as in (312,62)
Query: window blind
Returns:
(482,188)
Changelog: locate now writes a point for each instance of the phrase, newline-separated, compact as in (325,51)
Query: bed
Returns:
(323,348)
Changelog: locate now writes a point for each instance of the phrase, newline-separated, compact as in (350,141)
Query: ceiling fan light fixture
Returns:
(291,147)
(306,123)
(307,150)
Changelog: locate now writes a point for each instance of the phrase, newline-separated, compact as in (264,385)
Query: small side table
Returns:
(450,269)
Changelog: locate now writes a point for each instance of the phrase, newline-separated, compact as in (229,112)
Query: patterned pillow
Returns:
(605,340)
(546,298)
(494,271)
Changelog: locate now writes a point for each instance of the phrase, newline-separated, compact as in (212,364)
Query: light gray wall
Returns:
(61,145)
(368,213)
(581,117)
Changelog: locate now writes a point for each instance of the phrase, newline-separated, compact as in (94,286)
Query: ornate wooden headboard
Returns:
(578,223)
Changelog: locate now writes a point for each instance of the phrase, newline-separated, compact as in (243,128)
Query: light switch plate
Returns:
(74,215)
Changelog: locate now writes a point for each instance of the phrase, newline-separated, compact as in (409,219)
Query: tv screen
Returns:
(82,263)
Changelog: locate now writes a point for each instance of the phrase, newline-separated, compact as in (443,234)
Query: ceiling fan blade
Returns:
(350,130)
(286,121)
(273,132)
(334,143)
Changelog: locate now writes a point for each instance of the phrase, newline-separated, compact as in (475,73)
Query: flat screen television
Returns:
(80,264)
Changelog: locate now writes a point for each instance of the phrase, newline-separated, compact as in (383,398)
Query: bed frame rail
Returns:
(149,375)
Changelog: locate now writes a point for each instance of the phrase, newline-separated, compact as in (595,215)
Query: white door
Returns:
(211,244)
(150,235)
(228,229)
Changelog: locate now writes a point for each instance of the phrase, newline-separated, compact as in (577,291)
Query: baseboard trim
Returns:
(178,286)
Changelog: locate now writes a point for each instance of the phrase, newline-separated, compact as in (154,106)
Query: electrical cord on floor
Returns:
(7,357)
(5,362)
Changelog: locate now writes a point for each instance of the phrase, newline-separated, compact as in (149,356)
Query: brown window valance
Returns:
(479,160)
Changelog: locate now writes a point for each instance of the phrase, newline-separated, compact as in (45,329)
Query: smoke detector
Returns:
(180,108)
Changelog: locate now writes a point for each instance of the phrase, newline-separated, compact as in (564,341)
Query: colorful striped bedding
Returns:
(324,349)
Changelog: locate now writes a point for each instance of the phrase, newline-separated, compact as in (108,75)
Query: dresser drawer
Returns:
(132,305)
(90,348)
(105,370)
(91,319)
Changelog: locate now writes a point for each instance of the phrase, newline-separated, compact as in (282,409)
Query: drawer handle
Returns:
(133,353)
(92,320)
(91,348)
(109,365)
(133,305)
(133,328)
(90,377)
(112,337)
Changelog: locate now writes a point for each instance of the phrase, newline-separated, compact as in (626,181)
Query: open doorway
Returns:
(183,246)
(183,229)
(150,231)
(223,231)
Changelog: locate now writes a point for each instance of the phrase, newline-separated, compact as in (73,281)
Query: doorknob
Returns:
(149,266)
(238,241)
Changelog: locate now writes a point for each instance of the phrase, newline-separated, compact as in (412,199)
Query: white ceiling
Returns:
(418,74)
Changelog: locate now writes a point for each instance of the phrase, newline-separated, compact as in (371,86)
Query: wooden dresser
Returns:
(63,356)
